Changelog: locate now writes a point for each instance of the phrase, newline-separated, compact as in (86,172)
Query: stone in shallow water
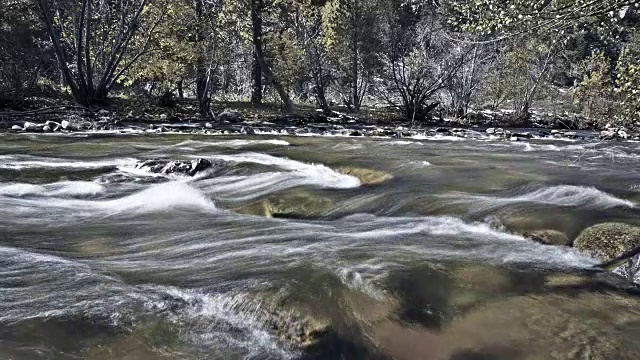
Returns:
(548,237)
(366,176)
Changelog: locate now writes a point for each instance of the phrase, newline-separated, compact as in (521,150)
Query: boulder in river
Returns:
(548,237)
(29,126)
(178,167)
(229,116)
(16,128)
(366,176)
(607,241)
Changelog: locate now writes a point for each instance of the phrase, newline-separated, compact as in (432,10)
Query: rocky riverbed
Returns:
(442,244)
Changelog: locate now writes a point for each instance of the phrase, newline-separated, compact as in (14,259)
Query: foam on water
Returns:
(236,144)
(236,320)
(59,189)
(444,237)
(561,195)
(436,137)
(56,288)
(310,174)
(18,162)
(158,198)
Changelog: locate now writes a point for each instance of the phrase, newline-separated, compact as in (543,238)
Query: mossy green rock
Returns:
(606,241)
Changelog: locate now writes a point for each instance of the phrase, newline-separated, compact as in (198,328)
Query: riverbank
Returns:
(308,122)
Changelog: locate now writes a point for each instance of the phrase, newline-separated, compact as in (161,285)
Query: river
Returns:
(100,259)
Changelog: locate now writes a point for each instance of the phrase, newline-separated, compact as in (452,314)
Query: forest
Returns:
(413,60)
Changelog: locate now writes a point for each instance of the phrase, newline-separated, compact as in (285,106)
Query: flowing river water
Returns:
(103,260)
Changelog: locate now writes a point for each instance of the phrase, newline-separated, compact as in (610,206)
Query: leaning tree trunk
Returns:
(256,8)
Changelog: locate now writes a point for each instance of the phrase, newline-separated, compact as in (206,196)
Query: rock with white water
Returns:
(16,128)
(103,112)
(525,135)
(66,125)
(548,237)
(490,131)
(208,125)
(46,128)
(366,176)
(623,134)
(52,124)
(29,126)
(229,116)
(247,130)
(177,167)
(613,133)
(164,117)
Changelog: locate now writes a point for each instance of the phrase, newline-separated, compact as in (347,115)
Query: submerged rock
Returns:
(549,327)
(297,204)
(606,241)
(177,167)
(532,327)
(366,176)
(548,237)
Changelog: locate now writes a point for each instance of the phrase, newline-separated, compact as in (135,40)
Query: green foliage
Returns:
(520,74)
(525,16)
(20,52)
(595,93)
(352,37)
(628,84)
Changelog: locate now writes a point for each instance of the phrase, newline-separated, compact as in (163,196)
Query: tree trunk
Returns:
(321,98)
(256,8)
(82,82)
(179,86)
(202,70)
(354,60)
(256,94)
(256,22)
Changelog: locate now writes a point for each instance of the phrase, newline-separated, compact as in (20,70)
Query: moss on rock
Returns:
(606,241)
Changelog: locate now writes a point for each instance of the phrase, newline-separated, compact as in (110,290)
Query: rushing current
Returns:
(277,252)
